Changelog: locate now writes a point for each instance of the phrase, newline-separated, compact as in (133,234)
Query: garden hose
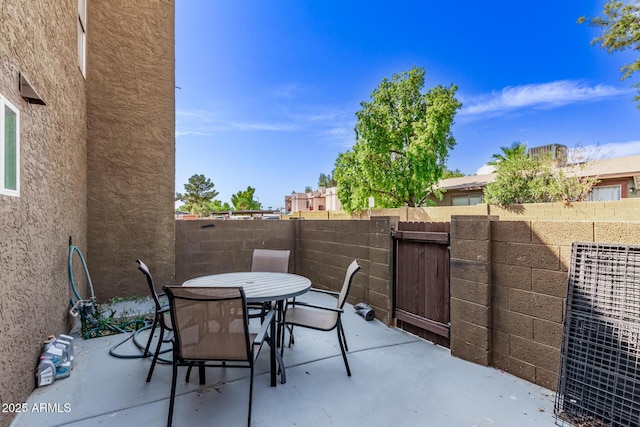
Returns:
(96,320)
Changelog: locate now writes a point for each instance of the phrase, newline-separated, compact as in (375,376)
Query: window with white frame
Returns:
(82,36)
(472,199)
(9,148)
(605,193)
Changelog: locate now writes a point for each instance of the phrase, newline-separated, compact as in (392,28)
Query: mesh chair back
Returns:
(143,267)
(210,323)
(348,278)
(270,260)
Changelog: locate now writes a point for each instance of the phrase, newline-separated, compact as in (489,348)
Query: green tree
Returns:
(327,180)
(403,138)
(198,195)
(243,200)
(451,174)
(521,178)
(218,206)
(517,150)
(621,31)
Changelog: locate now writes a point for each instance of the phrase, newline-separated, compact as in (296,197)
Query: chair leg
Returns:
(153,330)
(157,353)
(344,338)
(173,391)
(342,348)
(250,396)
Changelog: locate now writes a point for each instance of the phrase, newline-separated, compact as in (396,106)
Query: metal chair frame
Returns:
(253,342)
(339,309)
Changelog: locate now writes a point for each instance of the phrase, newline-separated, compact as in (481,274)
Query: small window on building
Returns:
(9,148)
(82,36)
(606,193)
(472,199)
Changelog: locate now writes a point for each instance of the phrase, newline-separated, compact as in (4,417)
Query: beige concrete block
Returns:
(511,276)
(476,335)
(560,233)
(532,255)
(516,367)
(478,293)
(469,352)
(547,379)
(469,270)
(499,252)
(470,227)
(499,343)
(511,231)
(536,305)
(617,232)
(469,312)
(549,282)
(535,353)
(472,250)
(548,333)
(513,323)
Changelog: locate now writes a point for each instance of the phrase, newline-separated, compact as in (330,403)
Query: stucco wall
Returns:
(131,150)
(39,39)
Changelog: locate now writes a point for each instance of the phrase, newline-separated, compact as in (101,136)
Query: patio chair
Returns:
(322,318)
(161,319)
(269,260)
(211,329)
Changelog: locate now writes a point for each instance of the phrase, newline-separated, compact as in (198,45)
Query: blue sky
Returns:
(268,91)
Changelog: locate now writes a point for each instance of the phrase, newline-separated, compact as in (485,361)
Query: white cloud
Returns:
(327,121)
(180,133)
(287,91)
(337,131)
(613,149)
(544,95)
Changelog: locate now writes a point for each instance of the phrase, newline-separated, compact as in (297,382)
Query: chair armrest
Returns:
(264,328)
(320,307)
(323,291)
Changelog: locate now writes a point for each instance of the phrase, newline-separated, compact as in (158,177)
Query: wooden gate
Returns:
(421,282)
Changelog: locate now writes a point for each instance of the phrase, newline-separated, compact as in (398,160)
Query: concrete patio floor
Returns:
(397,380)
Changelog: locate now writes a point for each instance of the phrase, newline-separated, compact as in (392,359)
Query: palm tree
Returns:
(517,150)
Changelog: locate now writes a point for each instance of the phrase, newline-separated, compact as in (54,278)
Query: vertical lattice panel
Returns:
(599,380)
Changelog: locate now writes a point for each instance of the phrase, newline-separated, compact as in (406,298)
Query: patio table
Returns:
(261,287)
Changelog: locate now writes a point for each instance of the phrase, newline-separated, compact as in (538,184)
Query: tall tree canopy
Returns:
(517,150)
(243,200)
(327,180)
(198,195)
(621,31)
(403,138)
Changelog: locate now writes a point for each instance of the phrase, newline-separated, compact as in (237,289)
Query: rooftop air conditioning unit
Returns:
(557,152)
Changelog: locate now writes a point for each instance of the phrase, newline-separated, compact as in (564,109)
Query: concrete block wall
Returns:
(470,288)
(320,250)
(507,305)
(621,210)
(217,246)
(324,250)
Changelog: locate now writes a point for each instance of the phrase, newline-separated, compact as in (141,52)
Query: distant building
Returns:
(619,178)
(322,199)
